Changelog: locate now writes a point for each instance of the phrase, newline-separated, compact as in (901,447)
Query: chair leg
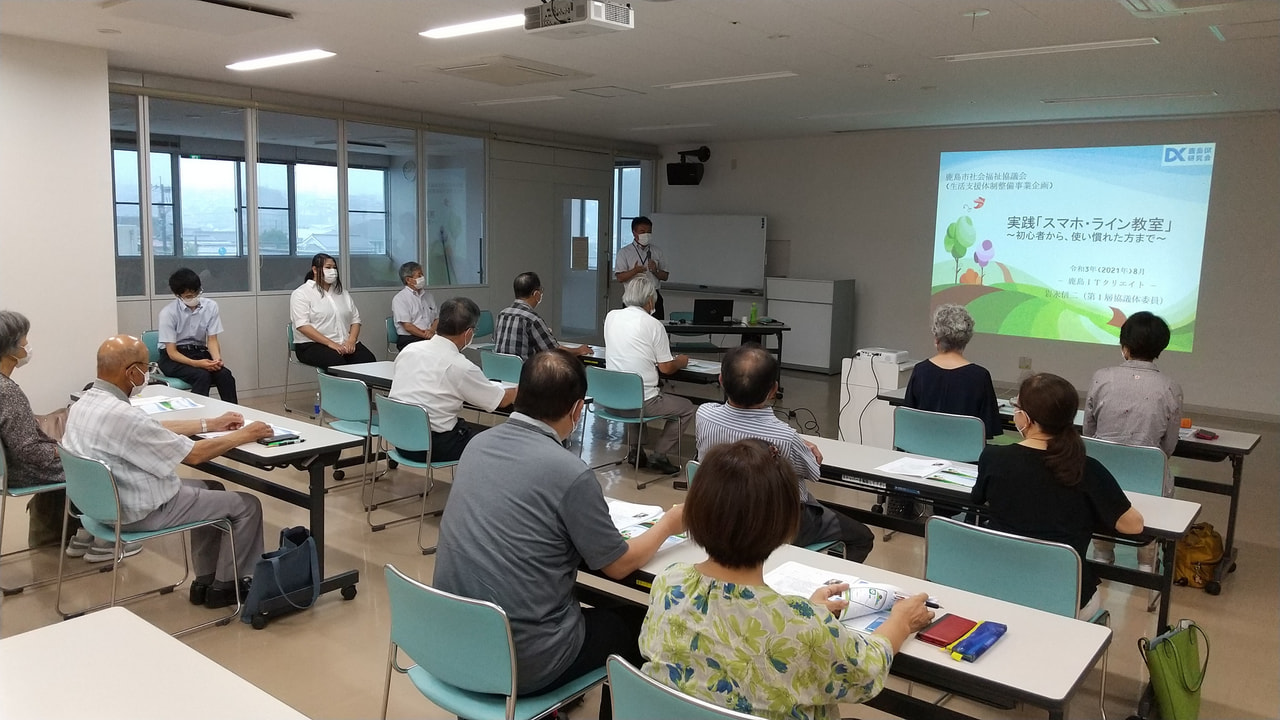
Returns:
(386,685)
(235,571)
(422,517)
(371,505)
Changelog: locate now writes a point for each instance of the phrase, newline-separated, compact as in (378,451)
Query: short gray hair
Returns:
(639,291)
(952,327)
(408,269)
(13,327)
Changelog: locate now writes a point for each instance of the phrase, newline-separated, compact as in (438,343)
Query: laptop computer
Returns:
(713,312)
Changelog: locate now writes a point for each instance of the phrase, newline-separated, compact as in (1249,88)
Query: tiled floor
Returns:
(328,662)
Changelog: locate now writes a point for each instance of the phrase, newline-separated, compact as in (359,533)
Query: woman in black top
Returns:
(1045,487)
(947,382)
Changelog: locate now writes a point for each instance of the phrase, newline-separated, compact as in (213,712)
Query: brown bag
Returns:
(1197,556)
(54,424)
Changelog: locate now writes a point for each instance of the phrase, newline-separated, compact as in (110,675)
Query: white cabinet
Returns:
(820,314)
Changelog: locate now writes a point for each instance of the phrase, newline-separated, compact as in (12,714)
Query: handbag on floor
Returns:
(1177,671)
(294,567)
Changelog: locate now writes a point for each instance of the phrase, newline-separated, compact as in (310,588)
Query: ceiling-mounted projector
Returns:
(577,18)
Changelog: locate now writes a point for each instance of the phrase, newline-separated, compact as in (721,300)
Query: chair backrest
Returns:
(288,329)
(615,389)
(690,468)
(637,696)
(344,398)
(403,425)
(484,325)
(90,486)
(959,438)
(392,334)
(501,366)
(151,339)
(1035,573)
(4,474)
(680,315)
(1138,469)
(461,642)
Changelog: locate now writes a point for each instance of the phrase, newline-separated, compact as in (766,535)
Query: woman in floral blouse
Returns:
(717,632)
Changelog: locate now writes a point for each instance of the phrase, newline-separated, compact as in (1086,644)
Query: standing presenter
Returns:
(641,256)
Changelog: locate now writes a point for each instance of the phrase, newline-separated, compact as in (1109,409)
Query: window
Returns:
(382,202)
(297,195)
(130,280)
(455,210)
(626,200)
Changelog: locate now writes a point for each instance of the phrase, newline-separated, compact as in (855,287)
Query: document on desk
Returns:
(703,366)
(798,579)
(152,405)
(632,520)
(275,430)
(964,474)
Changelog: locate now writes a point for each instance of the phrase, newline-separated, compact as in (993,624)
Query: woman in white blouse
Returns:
(326,323)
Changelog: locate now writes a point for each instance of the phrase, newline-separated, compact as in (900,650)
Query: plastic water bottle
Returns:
(755,317)
(317,406)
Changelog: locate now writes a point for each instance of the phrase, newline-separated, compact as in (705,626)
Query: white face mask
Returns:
(644,238)
(146,380)
(26,358)
(419,283)
(331,275)
(191,302)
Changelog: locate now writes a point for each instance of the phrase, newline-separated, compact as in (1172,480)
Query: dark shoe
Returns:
(220,596)
(199,592)
(631,459)
(663,466)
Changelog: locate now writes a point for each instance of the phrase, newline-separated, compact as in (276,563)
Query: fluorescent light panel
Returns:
(1050,49)
(475,26)
(1143,96)
(277,60)
(515,101)
(685,126)
(728,80)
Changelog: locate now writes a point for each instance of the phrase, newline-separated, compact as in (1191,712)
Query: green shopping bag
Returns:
(1177,672)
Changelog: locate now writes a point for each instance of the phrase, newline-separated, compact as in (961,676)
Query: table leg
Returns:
(1168,549)
(1237,471)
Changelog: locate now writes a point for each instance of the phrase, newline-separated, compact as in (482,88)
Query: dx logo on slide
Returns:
(1200,154)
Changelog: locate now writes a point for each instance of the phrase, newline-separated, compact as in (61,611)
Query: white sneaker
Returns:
(103,551)
(79,544)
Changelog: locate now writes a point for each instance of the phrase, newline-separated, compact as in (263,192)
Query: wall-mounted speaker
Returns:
(684,173)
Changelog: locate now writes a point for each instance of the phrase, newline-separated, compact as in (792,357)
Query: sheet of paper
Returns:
(793,578)
(703,366)
(625,514)
(1187,432)
(504,384)
(915,467)
(152,404)
(641,528)
(962,474)
(275,430)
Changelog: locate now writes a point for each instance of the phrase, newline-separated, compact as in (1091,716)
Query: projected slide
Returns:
(1065,244)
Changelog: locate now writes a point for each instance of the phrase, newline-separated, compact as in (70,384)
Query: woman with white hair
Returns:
(947,382)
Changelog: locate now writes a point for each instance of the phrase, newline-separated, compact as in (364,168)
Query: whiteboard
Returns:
(720,252)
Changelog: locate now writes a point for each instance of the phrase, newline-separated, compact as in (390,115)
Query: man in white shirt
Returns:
(636,342)
(413,308)
(642,257)
(436,376)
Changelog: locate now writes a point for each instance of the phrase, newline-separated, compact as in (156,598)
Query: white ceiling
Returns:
(840,50)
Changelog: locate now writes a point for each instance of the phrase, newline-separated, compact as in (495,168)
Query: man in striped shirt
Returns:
(521,331)
(749,376)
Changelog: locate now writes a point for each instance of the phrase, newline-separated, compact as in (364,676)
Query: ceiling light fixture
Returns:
(1142,96)
(277,60)
(515,101)
(475,26)
(728,80)
(684,126)
(1050,49)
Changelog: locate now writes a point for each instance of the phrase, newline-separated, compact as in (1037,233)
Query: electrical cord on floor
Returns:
(792,418)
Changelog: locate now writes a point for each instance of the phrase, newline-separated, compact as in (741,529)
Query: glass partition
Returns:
(382,202)
(130,279)
(297,195)
(455,210)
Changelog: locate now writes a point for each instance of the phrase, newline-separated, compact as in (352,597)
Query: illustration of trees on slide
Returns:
(959,238)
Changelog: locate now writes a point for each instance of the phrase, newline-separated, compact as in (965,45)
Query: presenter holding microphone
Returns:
(642,256)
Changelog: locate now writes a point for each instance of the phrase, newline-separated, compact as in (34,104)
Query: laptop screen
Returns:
(712,312)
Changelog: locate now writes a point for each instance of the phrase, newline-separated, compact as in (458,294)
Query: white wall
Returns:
(56,262)
(861,205)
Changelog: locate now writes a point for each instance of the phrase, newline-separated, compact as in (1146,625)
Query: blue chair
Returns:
(151,339)
(463,655)
(616,393)
(92,488)
(1021,570)
(637,696)
(393,336)
(1137,469)
(7,492)
(501,366)
(484,324)
(346,401)
(406,427)
(831,547)
(291,359)
(700,346)
(959,438)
